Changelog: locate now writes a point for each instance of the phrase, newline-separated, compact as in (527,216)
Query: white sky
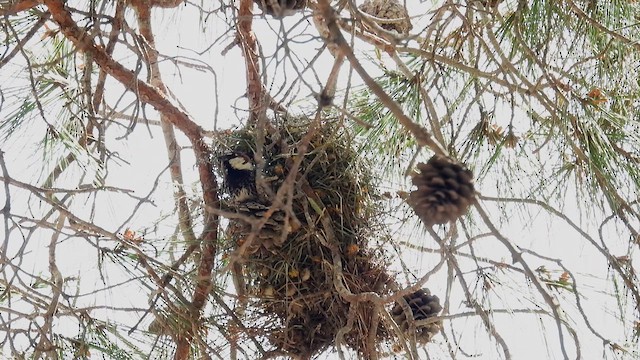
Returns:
(178,30)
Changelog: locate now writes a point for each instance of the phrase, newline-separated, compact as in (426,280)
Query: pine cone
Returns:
(444,190)
(281,8)
(389,9)
(423,305)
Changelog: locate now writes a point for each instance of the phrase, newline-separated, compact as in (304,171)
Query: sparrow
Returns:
(239,176)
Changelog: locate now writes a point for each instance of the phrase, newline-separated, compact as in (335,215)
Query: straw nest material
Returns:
(301,212)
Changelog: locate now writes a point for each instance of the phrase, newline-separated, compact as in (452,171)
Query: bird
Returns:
(239,182)
(239,176)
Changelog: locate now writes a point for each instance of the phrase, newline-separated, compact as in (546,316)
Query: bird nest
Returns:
(301,211)
(302,218)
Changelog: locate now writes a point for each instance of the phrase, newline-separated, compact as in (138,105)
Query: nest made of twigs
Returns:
(314,248)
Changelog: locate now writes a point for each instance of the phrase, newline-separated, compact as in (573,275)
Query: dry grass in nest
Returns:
(297,289)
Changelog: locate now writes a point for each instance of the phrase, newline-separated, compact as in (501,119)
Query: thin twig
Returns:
(423,137)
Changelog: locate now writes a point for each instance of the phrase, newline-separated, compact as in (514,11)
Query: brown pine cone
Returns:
(281,8)
(444,190)
(389,10)
(423,305)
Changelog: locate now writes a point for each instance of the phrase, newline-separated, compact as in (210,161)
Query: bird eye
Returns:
(240,163)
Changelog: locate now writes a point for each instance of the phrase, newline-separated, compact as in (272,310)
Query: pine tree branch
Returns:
(516,254)
(467,69)
(98,94)
(629,282)
(183,342)
(18,6)
(429,105)
(248,43)
(147,93)
(20,45)
(484,315)
(143,13)
(154,96)
(581,14)
(423,137)
(45,344)
(6,209)
(45,195)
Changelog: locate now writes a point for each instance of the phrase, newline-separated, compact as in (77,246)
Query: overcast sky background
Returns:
(178,32)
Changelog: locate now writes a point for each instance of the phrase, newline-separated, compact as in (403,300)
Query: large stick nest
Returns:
(301,211)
